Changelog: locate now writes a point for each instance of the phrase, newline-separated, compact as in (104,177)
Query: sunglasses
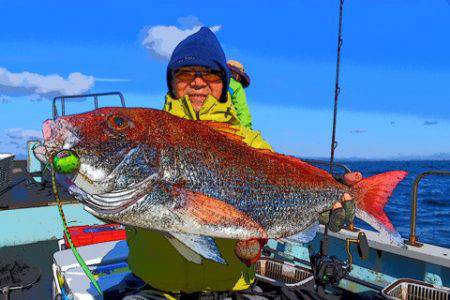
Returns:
(208,75)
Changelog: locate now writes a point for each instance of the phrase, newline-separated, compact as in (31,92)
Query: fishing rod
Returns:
(325,269)
(337,89)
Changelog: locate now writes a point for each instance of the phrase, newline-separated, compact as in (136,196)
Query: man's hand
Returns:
(352,178)
(343,212)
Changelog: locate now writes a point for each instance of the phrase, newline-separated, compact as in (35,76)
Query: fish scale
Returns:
(264,207)
(202,178)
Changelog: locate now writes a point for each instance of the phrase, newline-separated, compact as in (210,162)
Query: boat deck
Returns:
(40,255)
(24,193)
(31,226)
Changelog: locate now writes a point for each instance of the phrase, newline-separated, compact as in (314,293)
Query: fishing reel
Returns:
(329,269)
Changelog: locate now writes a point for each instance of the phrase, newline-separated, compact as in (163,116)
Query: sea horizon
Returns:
(433,157)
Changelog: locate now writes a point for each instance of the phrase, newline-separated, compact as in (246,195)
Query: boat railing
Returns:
(413,239)
(95,96)
(327,164)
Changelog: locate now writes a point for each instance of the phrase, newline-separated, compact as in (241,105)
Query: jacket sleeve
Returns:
(254,139)
(167,105)
(240,103)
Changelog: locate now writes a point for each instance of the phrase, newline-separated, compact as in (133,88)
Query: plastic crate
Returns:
(6,161)
(410,289)
(282,273)
(94,234)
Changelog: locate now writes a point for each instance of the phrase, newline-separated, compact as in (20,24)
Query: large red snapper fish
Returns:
(197,180)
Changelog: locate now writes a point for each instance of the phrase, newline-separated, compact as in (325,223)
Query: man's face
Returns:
(197,83)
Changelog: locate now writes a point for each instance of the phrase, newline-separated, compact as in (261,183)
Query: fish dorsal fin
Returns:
(221,126)
(205,210)
(230,131)
(301,165)
(225,129)
(193,247)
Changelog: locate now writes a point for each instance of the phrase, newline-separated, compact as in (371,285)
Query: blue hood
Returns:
(200,49)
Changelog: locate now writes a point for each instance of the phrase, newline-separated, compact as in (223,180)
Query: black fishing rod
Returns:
(324,244)
(337,89)
(321,263)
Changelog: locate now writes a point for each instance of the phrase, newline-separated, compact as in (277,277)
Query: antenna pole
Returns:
(337,89)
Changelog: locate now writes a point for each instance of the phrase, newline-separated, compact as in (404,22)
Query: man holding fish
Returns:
(197,79)
(199,199)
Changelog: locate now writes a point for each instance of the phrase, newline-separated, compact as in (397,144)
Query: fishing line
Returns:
(78,257)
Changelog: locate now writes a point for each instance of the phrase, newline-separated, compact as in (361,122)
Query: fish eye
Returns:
(117,122)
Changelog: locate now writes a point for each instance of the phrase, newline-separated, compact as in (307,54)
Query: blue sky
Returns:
(395,72)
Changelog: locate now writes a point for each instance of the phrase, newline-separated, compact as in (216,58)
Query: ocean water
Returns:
(433,208)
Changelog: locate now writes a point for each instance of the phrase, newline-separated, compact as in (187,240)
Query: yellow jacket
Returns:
(157,262)
(213,110)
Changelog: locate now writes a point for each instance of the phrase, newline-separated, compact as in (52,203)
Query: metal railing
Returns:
(327,164)
(413,239)
(96,95)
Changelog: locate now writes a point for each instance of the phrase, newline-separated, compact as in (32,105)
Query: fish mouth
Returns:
(58,135)
(89,184)
(40,152)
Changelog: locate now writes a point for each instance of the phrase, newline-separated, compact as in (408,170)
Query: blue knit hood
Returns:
(200,49)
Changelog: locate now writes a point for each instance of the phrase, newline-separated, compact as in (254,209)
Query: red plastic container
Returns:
(94,234)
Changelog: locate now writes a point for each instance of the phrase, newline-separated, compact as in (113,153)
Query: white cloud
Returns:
(17,139)
(189,22)
(161,40)
(19,134)
(43,86)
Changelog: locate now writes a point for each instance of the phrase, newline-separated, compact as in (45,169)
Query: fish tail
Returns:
(371,195)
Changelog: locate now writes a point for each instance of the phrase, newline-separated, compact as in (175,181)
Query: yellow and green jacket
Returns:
(239,99)
(157,262)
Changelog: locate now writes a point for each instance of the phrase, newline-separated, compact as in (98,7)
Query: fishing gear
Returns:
(66,162)
(16,275)
(337,89)
(328,269)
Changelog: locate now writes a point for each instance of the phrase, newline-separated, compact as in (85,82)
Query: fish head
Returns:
(111,146)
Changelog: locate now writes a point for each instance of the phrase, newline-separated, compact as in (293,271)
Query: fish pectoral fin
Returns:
(193,247)
(205,210)
(184,250)
(306,235)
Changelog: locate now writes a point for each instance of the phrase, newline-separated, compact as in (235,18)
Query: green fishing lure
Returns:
(66,162)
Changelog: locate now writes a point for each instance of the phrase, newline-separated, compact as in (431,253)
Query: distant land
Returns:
(436,156)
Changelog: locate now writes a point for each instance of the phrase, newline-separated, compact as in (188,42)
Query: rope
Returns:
(69,238)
